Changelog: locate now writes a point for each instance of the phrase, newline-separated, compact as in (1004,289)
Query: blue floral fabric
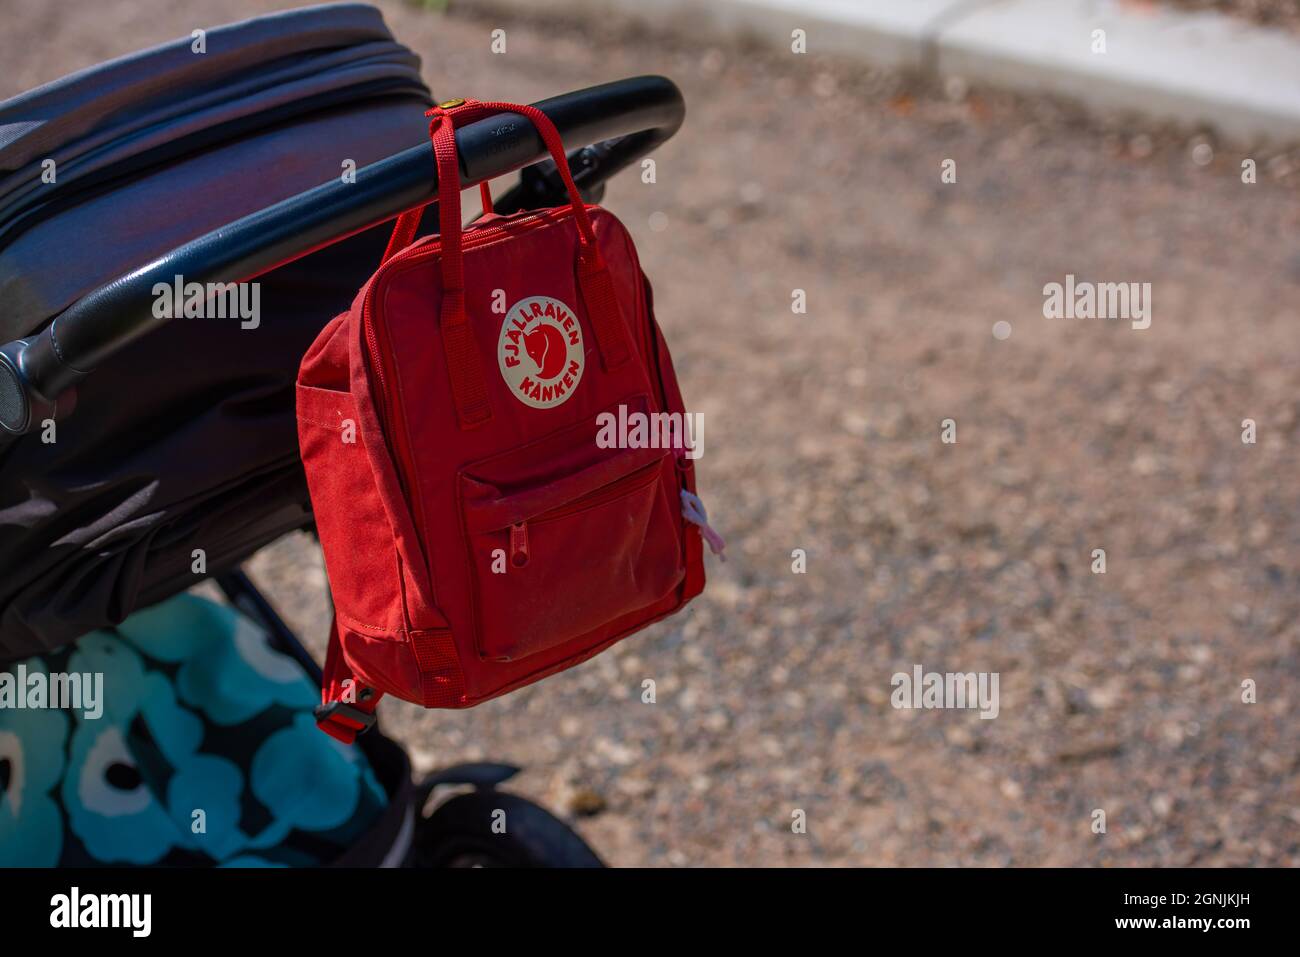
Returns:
(205,753)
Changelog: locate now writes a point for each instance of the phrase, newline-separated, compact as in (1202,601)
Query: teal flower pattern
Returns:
(31,765)
(206,753)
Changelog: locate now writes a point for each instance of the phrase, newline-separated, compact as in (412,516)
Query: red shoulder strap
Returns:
(347,707)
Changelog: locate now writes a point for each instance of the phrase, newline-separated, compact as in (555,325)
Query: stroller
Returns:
(141,455)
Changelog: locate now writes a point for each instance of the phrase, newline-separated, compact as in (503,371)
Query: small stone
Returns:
(713,62)
(585,802)
(751,193)
(1141,146)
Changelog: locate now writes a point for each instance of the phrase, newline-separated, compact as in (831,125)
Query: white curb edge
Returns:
(1194,68)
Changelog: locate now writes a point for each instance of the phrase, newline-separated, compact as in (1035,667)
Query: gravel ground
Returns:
(1120,691)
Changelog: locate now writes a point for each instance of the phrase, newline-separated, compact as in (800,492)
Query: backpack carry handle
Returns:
(457,113)
(464,367)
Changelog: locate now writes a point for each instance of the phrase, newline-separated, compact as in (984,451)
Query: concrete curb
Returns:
(1195,68)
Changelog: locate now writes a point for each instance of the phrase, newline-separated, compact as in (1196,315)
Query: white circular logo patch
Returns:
(540,351)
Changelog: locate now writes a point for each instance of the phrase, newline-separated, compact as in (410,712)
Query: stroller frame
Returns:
(622,120)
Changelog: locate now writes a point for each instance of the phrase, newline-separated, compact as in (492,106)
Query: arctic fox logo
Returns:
(545,346)
(540,351)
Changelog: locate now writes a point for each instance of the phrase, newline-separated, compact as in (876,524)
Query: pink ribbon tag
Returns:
(693,511)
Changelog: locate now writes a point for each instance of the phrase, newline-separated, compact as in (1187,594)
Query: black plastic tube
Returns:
(629,118)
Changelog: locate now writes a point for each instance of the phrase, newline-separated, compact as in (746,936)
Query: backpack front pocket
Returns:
(565,559)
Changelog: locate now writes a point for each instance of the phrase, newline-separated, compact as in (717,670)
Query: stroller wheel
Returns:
(492,829)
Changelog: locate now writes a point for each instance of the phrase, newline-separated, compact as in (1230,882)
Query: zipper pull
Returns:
(693,511)
(519,545)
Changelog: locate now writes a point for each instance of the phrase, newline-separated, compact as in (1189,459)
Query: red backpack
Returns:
(480,530)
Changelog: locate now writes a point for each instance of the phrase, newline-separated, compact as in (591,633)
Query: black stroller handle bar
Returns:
(625,120)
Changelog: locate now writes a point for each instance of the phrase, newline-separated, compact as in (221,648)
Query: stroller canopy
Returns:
(185,443)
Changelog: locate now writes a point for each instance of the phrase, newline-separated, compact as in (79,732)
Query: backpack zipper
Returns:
(615,490)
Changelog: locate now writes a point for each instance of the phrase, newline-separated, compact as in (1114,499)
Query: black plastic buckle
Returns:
(325,712)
